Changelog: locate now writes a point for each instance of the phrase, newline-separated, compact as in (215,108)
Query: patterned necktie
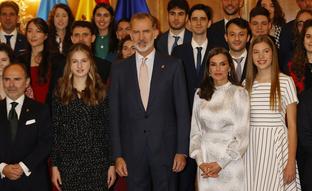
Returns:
(143,82)
(239,67)
(175,44)
(198,60)
(8,39)
(13,119)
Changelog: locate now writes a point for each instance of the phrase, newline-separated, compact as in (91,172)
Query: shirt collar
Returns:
(19,100)
(195,44)
(244,54)
(14,32)
(148,58)
(181,34)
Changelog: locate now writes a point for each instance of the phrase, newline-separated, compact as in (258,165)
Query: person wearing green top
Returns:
(103,17)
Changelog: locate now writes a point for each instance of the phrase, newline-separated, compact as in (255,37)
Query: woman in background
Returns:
(105,43)
(220,126)
(36,59)
(271,155)
(126,48)
(60,21)
(81,153)
(300,68)
(277,17)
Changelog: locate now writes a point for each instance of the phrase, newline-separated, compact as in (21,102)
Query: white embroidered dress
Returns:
(219,133)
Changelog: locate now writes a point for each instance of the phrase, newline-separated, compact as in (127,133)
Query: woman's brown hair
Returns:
(95,90)
(207,86)
(300,58)
(275,92)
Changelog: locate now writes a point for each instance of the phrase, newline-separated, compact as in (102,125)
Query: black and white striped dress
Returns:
(267,153)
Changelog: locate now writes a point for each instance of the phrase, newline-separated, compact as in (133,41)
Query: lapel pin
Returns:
(27,110)
(163,67)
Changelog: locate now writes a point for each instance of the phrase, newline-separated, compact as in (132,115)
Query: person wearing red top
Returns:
(36,59)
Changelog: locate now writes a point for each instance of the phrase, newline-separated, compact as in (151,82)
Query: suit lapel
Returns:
(135,83)
(4,114)
(23,116)
(156,75)
(166,42)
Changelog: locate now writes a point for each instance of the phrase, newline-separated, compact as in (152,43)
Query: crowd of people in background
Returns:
(119,105)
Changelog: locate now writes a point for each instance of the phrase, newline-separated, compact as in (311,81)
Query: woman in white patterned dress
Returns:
(220,126)
(271,154)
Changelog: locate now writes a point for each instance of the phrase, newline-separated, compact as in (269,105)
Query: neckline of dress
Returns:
(224,86)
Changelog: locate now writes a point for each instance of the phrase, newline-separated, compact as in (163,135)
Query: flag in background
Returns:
(46,6)
(127,8)
(102,1)
(84,10)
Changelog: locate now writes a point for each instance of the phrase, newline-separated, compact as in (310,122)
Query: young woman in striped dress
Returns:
(271,155)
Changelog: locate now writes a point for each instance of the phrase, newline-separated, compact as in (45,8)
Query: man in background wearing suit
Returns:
(177,33)
(9,33)
(231,10)
(237,35)
(149,113)
(194,58)
(25,135)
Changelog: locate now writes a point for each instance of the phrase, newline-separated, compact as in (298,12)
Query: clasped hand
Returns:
(210,169)
(13,171)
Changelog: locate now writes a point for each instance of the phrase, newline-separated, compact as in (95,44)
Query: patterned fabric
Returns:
(267,153)
(219,133)
(81,147)
(277,32)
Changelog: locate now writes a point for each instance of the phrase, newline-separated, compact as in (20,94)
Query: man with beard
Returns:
(194,57)
(237,35)
(231,10)
(150,120)
(177,33)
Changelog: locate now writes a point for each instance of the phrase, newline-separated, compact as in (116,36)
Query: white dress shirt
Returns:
(171,39)
(12,40)
(203,51)
(18,110)
(244,55)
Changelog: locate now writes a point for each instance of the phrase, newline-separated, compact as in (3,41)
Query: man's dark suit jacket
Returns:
(164,127)
(162,41)
(216,35)
(31,146)
(185,53)
(286,45)
(21,45)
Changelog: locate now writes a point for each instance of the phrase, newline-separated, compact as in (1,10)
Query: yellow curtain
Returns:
(85,8)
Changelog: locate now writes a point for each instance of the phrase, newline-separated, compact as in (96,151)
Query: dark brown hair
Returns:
(95,90)
(207,86)
(300,58)
(11,4)
(53,45)
(44,65)
(279,15)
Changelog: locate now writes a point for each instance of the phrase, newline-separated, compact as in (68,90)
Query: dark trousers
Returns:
(186,178)
(147,173)
(305,168)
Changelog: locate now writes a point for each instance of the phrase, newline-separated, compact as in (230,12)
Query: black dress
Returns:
(82,147)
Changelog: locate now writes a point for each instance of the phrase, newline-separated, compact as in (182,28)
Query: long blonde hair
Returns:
(95,89)
(275,92)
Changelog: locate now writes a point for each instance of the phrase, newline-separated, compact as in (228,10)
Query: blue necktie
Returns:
(8,39)
(198,60)
(175,44)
